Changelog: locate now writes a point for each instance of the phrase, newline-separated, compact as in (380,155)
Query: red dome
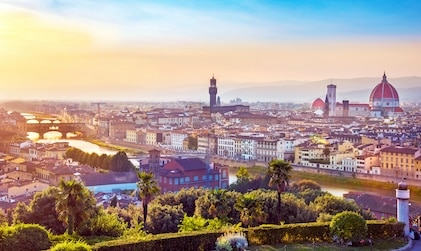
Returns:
(384,90)
(318,103)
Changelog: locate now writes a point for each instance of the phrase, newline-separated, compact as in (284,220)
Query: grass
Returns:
(114,147)
(379,245)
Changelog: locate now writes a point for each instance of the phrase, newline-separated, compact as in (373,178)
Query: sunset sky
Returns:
(145,50)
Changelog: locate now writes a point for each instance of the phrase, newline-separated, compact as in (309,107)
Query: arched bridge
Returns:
(64,128)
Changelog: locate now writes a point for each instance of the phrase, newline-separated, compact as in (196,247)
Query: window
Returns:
(196,178)
(176,181)
(224,174)
(204,177)
(216,177)
(187,179)
(181,180)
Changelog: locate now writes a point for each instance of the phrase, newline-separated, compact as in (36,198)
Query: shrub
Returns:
(105,224)
(231,242)
(348,226)
(72,246)
(24,237)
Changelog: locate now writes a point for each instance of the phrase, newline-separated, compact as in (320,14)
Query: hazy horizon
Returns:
(117,50)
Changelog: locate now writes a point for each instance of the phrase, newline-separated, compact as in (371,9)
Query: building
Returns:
(215,106)
(330,101)
(384,100)
(399,162)
(193,172)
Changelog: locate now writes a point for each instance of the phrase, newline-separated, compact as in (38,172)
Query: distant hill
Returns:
(355,90)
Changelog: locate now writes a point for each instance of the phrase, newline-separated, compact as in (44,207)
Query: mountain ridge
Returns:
(355,90)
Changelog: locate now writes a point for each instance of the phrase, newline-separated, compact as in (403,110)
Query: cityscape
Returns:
(102,100)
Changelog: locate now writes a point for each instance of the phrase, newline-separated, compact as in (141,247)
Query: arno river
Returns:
(89,147)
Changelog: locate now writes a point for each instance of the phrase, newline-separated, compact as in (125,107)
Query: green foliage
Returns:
(75,204)
(245,185)
(251,208)
(192,142)
(243,174)
(24,237)
(148,188)
(120,163)
(331,204)
(21,213)
(186,197)
(41,210)
(72,246)
(303,185)
(104,224)
(324,217)
(381,229)
(219,204)
(279,172)
(295,210)
(348,226)
(262,235)
(164,219)
(197,223)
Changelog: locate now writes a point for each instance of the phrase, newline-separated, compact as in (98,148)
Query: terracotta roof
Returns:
(96,179)
(384,90)
(404,150)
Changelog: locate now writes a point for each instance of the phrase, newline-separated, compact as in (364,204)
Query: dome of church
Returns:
(384,92)
(318,103)
(384,99)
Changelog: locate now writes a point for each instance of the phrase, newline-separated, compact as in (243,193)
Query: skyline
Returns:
(117,50)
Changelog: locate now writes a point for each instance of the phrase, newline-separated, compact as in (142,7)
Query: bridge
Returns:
(63,128)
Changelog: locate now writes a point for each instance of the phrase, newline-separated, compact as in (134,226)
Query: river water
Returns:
(90,148)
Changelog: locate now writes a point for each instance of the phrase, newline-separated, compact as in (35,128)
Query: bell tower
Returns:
(212,92)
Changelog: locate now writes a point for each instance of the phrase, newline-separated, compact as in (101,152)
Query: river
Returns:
(90,148)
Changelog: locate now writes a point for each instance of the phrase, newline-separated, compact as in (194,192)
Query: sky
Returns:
(158,50)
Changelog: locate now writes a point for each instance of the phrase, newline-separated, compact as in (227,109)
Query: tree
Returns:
(348,226)
(218,203)
(251,209)
(331,204)
(42,211)
(192,142)
(75,204)
(243,174)
(278,171)
(121,163)
(302,185)
(148,188)
(164,218)
(326,151)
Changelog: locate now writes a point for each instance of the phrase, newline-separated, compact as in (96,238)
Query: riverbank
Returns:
(127,147)
(352,184)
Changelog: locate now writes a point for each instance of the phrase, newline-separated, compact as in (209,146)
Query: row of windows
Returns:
(401,160)
(185,180)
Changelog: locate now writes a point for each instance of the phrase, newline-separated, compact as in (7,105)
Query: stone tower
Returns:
(331,100)
(212,93)
(154,159)
(402,200)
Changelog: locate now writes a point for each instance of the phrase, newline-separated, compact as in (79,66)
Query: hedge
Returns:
(264,234)
(24,237)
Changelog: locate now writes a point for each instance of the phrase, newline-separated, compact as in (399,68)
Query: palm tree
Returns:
(251,209)
(75,204)
(278,171)
(148,187)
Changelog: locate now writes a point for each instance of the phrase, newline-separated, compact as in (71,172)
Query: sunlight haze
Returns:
(144,50)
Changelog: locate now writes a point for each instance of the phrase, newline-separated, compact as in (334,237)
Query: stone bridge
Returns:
(63,128)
